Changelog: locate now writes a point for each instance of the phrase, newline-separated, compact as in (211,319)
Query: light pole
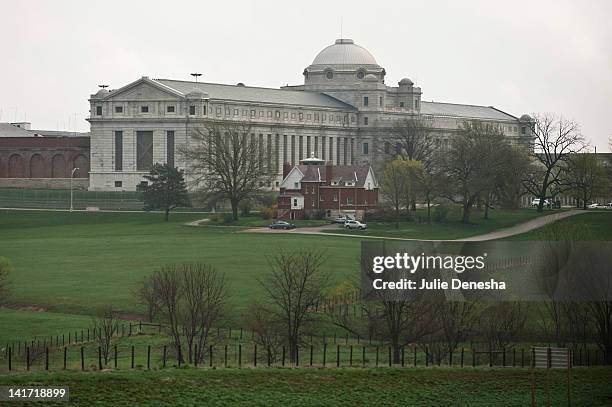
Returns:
(71,177)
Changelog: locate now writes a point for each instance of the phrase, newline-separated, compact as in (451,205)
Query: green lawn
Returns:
(26,325)
(596,225)
(453,228)
(77,262)
(324,387)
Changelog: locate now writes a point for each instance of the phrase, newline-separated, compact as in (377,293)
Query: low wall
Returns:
(44,183)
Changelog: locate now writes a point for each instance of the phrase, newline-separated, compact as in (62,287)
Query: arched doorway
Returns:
(16,167)
(37,167)
(58,166)
(82,163)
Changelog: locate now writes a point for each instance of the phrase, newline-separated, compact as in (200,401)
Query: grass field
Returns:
(597,225)
(324,387)
(452,228)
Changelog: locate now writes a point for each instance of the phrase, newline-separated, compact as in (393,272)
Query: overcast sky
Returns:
(519,56)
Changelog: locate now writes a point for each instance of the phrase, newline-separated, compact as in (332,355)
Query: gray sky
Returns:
(519,56)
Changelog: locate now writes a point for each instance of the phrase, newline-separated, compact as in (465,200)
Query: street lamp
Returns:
(75,169)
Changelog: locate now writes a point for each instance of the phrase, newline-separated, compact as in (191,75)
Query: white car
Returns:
(536,202)
(595,206)
(355,224)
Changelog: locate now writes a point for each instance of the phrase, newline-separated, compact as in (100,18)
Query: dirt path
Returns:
(498,234)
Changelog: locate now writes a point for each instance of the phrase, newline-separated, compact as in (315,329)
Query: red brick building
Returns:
(316,186)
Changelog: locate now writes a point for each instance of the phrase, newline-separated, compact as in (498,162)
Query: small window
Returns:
(523,130)
(144,109)
(323,117)
(312,203)
(235,112)
(118,109)
(228,111)
(269,113)
(295,202)
(286,115)
(192,110)
(320,197)
(365,121)
(99,110)
(329,75)
(416,104)
(245,112)
(308,117)
(301,116)
(170,109)
(218,111)
(366,101)
(316,117)
(349,200)
(365,148)
(380,101)
(401,104)
(335,198)
(277,114)
(252,113)
(118,184)
(360,74)
(292,116)
(296,185)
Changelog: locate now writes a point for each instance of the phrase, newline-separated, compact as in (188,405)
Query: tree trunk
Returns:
(166,214)
(428,212)
(466,214)
(486,211)
(234,209)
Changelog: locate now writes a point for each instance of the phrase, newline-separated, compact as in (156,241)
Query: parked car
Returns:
(282,225)
(609,205)
(355,224)
(595,205)
(342,219)
(536,202)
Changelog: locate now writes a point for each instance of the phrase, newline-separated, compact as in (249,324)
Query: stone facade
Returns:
(341,113)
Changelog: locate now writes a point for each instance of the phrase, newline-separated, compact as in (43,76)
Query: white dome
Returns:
(344,52)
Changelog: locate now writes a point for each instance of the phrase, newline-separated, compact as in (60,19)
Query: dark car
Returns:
(282,225)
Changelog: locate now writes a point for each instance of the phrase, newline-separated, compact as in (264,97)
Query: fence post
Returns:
(311,352)
(513,357)
(522,357)
(490,357)
(337,355)
(255,355)
(390,361)
(297,356)
(65,356)
(504,357)
(99,358)
(426,356)
(462,353)
(149,357)
(46,358)
(402,356)
(415,355)
(269,357)
(210,350)
(283,360)
(115,357)
(450,359)
(10,359)
(473,358)
(240,351)
(87,334)
(363,358)
(195,358)
(164,357)
(351,356)
(27,358)
(82,358)
(225,356)
(324,352)
(133,355)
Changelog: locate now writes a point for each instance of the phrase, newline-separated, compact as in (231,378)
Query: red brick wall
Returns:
(44,157)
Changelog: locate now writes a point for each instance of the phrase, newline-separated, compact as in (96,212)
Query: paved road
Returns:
(498,234)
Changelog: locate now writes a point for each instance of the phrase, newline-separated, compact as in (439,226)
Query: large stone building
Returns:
(341,114)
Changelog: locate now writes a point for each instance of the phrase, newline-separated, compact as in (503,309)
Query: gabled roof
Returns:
(464,111)
(255,94)
(340,174)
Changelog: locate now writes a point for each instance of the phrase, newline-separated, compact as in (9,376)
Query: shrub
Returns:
(245,208)
(227,218)
(440,213)
(270,212)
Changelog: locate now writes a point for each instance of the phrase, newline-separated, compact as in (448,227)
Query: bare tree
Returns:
(266,326)
(398,184)
(473,164)
(105,327)
(411,139)
(145,295)
(295,284)
(192,298)
(227,160)
(501,324)
(5,271)
(585,177)
(555,139)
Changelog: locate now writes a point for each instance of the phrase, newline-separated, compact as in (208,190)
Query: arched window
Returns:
(360,74)
(37,167)
(82,163)
(58,166)
(329,74)
(16,167)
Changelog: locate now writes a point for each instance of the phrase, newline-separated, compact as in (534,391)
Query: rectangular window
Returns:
(286,115)
(523,130)
(218,111)
(118,151)
(261,113)
(349,200)
(401,104)
(144,150)
(98,110)
(235,112)
(170,148)
(245,112)
(118,109)
(118,184)
(301,116)
(316,117)
(269,114)
(416,104)
(228,111)
(323,117)
(366,101)
(192,110)
(292,116)
(204,110)
(144,109)
(335,198)
(252,113)
(380,101)
(365,121)
(170,109)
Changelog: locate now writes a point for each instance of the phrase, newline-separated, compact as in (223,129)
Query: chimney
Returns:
(328,172)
